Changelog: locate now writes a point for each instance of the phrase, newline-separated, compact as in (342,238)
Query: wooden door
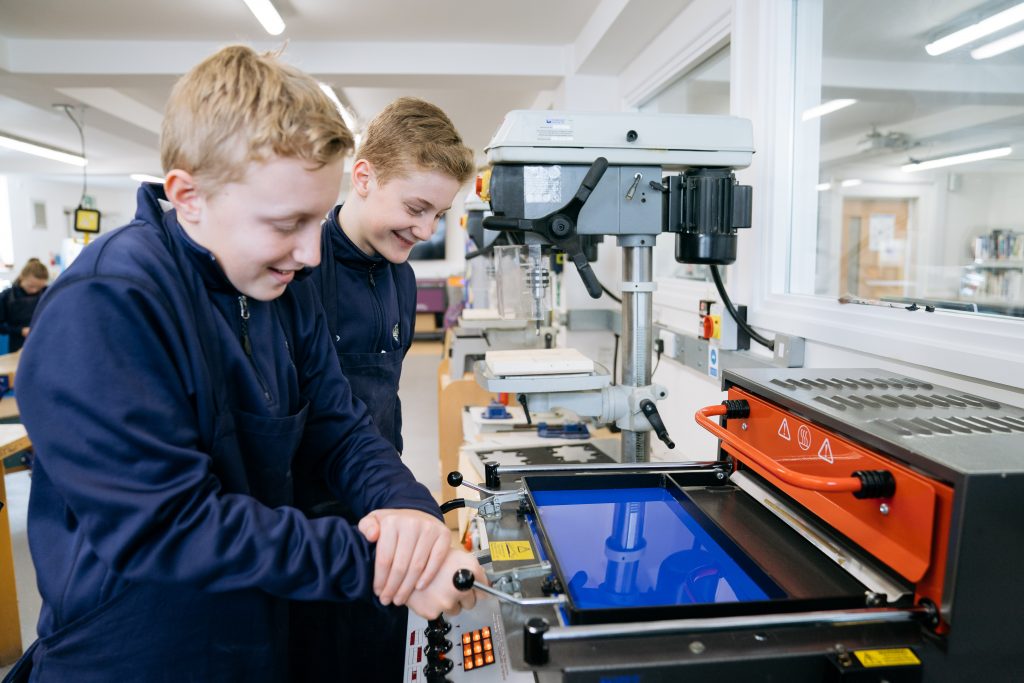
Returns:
(875,248)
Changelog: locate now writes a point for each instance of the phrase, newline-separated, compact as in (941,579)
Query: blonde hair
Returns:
(33,268)
(237,106)
(414,134)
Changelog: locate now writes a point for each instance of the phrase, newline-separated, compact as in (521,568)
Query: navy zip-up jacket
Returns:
(118,401)
(375,303)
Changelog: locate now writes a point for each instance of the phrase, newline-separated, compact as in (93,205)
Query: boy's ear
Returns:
(363,176)
(182,192)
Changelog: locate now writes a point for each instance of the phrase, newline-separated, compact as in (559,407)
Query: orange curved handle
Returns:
(745,451)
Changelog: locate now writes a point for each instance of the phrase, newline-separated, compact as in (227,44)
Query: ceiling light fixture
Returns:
(957,159)
(267,15)
(852,182)
(146,178)
(985,27)
(826,108)
(346,115)
(823,187)
(998,47)
(42,151)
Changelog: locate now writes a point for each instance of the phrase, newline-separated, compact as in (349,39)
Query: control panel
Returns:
(469,646)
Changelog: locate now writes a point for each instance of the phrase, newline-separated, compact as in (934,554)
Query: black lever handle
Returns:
(650,411)
(463,580)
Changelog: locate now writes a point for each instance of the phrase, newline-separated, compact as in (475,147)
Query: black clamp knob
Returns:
(436,670)
(558,228)
(455,479)
(463,580)
(535,650)
(650,411)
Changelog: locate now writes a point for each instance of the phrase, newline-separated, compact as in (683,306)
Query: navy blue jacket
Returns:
(371,314)
(119,402)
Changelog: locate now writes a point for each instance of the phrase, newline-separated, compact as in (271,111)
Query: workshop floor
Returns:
(418,389)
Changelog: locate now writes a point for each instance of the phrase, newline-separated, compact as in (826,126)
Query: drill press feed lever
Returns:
(558,228)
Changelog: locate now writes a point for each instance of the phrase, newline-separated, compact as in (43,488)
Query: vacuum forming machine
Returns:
(856,526)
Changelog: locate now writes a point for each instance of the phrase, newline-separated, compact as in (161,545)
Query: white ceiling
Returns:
(120,58)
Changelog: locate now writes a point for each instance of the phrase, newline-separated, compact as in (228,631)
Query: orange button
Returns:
(468,664)
(478,660)
(467,651)
(476,635)
(477,649)
(466,638)
(486,630)
(487,644)
(489,657)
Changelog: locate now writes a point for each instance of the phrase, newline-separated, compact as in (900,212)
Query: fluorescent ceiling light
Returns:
(146,178)
(265,13)
(346,115)
(826,108)
(957,159)
(822,187)
(40,151)
(852,182)
(997,22)
(998,47)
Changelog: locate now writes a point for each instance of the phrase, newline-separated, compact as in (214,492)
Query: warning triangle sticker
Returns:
(825,452)
(784,430)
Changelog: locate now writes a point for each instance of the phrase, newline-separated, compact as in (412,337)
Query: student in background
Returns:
(18,303)
(180,371)
(407,172)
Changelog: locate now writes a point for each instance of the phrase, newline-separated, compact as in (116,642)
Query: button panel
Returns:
(477,649)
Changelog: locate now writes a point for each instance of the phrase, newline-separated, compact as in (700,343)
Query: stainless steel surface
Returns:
(637,321)
(652,628)
(946,432)
(609,467)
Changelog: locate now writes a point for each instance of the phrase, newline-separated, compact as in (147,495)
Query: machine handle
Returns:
(745,451)
(502,223)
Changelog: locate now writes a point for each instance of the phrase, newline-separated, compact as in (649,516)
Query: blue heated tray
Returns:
(638,547)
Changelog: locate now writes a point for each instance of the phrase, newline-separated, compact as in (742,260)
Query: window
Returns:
(892,209)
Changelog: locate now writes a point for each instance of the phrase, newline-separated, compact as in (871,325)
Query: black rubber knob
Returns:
(535,650)
(463,579)
(455,479)
(631,136)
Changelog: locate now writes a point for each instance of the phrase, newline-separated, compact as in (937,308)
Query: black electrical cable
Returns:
(615,359)
(81,134)
(610,295)
(763,341)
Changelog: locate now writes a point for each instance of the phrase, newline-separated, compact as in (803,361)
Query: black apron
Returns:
(154,632)
(360,640)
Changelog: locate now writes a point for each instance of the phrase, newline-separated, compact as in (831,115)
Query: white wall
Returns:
(116,205)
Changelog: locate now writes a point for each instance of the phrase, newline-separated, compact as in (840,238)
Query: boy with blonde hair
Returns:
(406,174)
(180,370)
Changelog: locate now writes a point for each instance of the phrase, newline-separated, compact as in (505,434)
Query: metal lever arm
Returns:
(558,228)
(650,411)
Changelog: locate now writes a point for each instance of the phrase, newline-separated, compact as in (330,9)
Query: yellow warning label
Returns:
(895,657)
(503,551)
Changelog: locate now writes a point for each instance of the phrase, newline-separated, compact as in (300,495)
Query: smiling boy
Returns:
(180,370)
(405,176)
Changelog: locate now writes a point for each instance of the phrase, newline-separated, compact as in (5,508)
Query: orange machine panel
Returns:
(899,531)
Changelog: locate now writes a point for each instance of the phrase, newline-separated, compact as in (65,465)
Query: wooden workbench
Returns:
(13,439)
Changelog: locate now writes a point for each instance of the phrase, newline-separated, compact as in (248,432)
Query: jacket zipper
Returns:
(243,312)
(378,309)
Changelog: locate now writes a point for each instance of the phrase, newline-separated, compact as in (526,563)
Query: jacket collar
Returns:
(345,250)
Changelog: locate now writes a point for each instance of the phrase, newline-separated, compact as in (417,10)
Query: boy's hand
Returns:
(441,595)
(411,545)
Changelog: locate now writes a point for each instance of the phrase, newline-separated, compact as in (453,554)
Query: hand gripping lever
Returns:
(558,228)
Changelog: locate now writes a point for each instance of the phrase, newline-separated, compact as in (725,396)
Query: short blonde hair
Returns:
(238,106)
(414,134)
